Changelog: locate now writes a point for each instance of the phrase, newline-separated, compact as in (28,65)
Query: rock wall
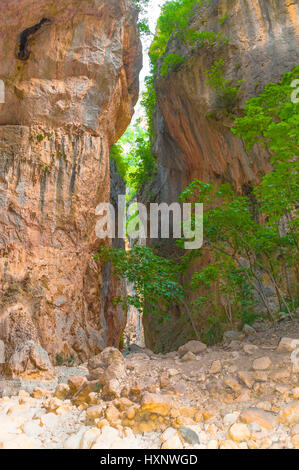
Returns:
(70,69)
(262,45)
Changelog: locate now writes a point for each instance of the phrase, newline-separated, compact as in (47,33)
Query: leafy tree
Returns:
(272,120)
(142,8)
(174,21)
(117,155)
(155,279)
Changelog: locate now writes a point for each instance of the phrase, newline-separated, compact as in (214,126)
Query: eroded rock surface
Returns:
(165,402)
(70,70)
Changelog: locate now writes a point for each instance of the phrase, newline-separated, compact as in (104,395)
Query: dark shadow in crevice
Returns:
(24,52)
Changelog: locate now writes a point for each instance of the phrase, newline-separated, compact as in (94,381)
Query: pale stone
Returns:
(262,363)
(262,418)
(228,444)
(250,349)
(39,392)
(156,403)
(232,383)
(62,391)
(173,442)
(94,412)
(189,356)
(19,442)
(73,442)
(112,414)
(215,367)
(168,434)
(32,428)
(212,444)
(196,347)
(290,413)
(247,378)
(75,383)
(239,432)
(230,419)
(295,441)
(49,420)
(288,345)
(107,437)
(89,438)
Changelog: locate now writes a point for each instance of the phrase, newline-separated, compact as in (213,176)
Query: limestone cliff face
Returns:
(70,69)
(262,45)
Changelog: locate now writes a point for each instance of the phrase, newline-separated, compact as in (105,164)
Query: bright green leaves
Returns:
(170,63)
(155,279)
(142,8)
(227,90)
(174,22)
(272,119)
(133,157)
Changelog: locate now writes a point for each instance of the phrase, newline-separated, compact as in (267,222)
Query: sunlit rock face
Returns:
(70,69)
(192,135)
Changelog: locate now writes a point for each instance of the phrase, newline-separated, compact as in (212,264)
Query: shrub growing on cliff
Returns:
(272,120)
(134,158)
(227,90)
(248,248)
(117,155)
(142,9)
(174,21)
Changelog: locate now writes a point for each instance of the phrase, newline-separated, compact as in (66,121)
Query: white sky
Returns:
(153,15)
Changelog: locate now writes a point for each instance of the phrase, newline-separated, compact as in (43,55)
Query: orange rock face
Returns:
(70,70)
(192,129)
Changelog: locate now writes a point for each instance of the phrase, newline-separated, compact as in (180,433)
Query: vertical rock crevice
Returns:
(192,137)
(70,93)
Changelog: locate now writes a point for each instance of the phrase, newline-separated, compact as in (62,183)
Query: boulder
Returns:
(195,347)
(262,418)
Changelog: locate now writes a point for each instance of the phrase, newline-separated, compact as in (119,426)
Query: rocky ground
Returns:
(241,394)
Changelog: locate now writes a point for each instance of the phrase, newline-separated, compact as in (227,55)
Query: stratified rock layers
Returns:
(192,136)
(70,70)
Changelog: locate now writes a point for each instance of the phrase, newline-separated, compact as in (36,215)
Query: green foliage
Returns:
(223,19)
(145,166)
(171,62)
(59,360)
(149,99)
(272,120)
(69,361)
(214,333)
(227,90)
(117,155)
(133,157)
(269,245)
(232,234)
(155,279)
(174,21)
